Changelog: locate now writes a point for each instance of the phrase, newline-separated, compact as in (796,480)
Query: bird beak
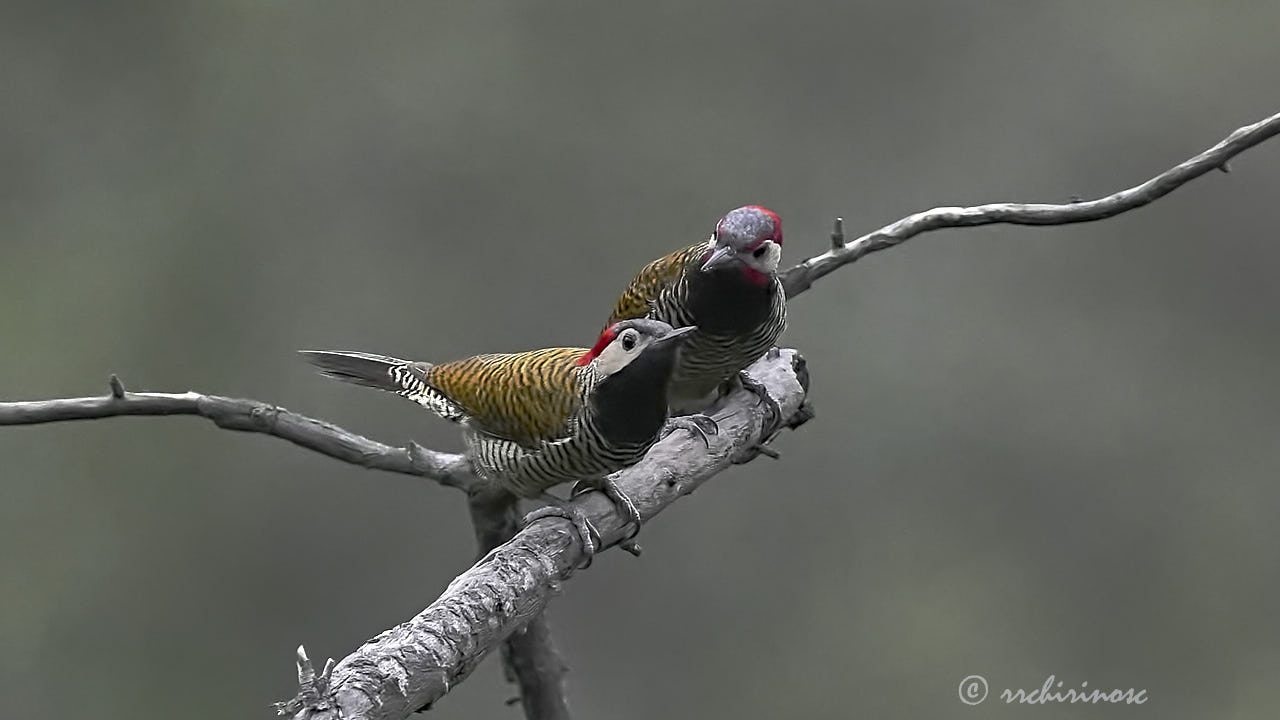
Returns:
(721,255)
(680,334)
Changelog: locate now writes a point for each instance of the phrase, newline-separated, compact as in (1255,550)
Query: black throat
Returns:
(725,302)
(630,406)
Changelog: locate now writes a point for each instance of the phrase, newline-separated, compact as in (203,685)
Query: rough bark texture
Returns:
(529,656)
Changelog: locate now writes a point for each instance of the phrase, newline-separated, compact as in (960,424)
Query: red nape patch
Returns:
(605,338)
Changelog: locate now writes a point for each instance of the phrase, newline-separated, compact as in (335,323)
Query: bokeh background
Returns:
(1038,450)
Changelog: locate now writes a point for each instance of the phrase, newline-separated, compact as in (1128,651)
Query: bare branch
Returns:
(799,278)
(529,655)
(412,665)
(448,469)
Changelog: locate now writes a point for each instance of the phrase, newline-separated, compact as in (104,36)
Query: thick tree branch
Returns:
(801,277)
(448,469)
(529,655)
(414,664)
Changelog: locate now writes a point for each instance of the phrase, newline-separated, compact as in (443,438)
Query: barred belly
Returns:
(709,358)
(529,473)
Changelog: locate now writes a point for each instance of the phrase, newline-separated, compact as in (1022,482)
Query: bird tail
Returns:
(376,371)
(402,377)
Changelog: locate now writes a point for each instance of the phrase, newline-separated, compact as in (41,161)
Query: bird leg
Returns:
(699,425)
(774,425)
(555,507)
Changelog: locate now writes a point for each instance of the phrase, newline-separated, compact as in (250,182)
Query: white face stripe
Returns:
(767,263)
(615,357)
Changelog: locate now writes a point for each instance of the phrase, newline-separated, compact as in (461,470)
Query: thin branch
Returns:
(415,663)
(799,278)
(448,469)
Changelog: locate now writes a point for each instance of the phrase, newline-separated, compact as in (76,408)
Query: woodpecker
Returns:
(728,288)
(533,420)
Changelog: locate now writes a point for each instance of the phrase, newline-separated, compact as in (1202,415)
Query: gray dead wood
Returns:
(530,658)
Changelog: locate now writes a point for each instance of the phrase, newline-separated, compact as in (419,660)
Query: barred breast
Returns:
(713,355)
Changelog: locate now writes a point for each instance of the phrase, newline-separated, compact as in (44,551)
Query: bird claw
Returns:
(771,426)
(758,389)
(767,451)
(628,508)
(700,425)
(620,499)
(587,533)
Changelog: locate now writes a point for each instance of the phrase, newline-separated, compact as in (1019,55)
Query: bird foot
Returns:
(699,425)
(624,504)
(773,425)
(758,389)
(588,536)
(620,499)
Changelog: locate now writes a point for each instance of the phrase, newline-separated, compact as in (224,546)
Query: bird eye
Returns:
(628,340)
(760,251)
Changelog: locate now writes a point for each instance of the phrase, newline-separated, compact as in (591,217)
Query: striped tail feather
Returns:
(403,377)
(376,371)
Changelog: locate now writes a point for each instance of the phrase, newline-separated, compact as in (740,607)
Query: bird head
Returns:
(748,240)
(622,343)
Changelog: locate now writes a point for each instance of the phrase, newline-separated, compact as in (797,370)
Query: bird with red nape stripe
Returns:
(728,288)
(533,420)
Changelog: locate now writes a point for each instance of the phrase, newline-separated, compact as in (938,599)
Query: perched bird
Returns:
(536,419)
(728,288)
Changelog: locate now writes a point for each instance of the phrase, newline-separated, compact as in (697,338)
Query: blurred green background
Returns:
(1038,450)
